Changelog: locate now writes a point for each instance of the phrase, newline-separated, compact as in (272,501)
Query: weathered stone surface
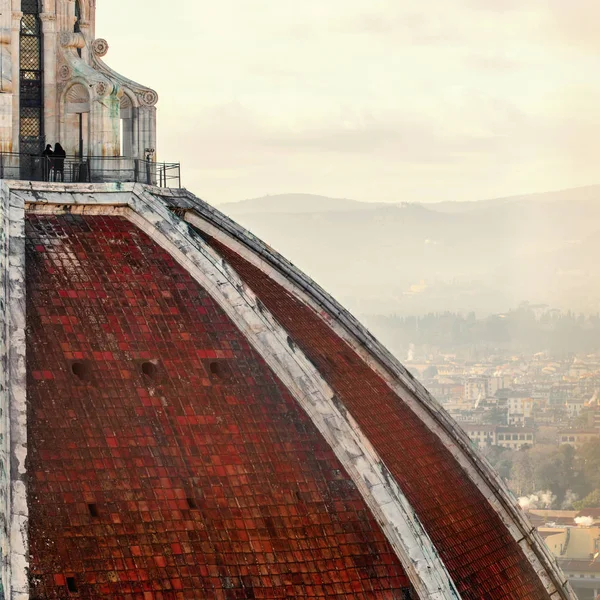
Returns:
(13,422)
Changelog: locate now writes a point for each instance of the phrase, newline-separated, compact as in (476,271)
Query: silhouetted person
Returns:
(47,162)
(59,162)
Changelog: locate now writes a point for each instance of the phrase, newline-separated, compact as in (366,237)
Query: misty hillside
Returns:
(412,259)
(295,204)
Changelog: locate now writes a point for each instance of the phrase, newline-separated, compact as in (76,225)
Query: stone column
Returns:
(127,131)
(49,53)
(68,16)
(6,77)
(147,139)
(135,136)
(146,129)
(92,19)
(16,69)
(85,32)
(104,121)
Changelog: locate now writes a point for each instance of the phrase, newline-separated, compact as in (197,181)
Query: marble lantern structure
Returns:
(55,86)
(186,415)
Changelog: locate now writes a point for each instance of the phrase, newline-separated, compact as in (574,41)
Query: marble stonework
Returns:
(110,105)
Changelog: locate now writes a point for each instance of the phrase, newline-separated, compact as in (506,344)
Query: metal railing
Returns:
(90,169)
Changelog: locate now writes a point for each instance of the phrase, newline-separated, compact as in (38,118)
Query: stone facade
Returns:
(85,106)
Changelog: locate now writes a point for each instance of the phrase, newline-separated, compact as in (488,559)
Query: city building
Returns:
(520,409)
(482,435)
(576,549)
(514,438)
(185,414)
(577,437)
(560,393)
(575,406)
(476,388)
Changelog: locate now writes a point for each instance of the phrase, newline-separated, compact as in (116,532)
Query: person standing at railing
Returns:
(47,162)
(59,162)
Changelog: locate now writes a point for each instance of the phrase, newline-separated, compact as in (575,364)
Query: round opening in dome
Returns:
(149,369)
(80,370)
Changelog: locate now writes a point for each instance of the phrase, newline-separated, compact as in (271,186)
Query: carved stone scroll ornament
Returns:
(72,40)
(100,47)
(65,73)
(148,98)
(102,88)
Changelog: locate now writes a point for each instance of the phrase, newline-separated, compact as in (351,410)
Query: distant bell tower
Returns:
(55,87)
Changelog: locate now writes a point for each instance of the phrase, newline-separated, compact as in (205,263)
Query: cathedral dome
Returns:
(187,415)
(183,413)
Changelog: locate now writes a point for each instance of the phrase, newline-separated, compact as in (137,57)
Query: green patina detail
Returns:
(79,71)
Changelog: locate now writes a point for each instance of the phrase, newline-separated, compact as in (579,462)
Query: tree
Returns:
(501,459)
(589,461)
(556,471)
(522,474)
(592,500)
(583,420)
(547,467)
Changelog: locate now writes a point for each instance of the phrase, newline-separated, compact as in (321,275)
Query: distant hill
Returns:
(484,256)
(586,194)
(295,204)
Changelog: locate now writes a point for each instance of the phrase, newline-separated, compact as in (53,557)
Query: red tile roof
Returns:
(166,461)
(481,556)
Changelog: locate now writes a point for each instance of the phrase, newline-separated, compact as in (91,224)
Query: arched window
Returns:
(30,80)
(77,27)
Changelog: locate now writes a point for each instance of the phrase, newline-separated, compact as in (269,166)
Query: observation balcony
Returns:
(90,169)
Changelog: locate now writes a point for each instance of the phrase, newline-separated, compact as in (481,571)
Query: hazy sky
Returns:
(383,100)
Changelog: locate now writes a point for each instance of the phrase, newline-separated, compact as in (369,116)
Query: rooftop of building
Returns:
(174,380)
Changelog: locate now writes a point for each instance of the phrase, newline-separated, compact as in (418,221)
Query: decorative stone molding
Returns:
(65,73)
(48,23)
(13,417)
(78,94)
(148,98)
(100,47)
(102,88)
(16,21)
(72,40)
(142,95)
